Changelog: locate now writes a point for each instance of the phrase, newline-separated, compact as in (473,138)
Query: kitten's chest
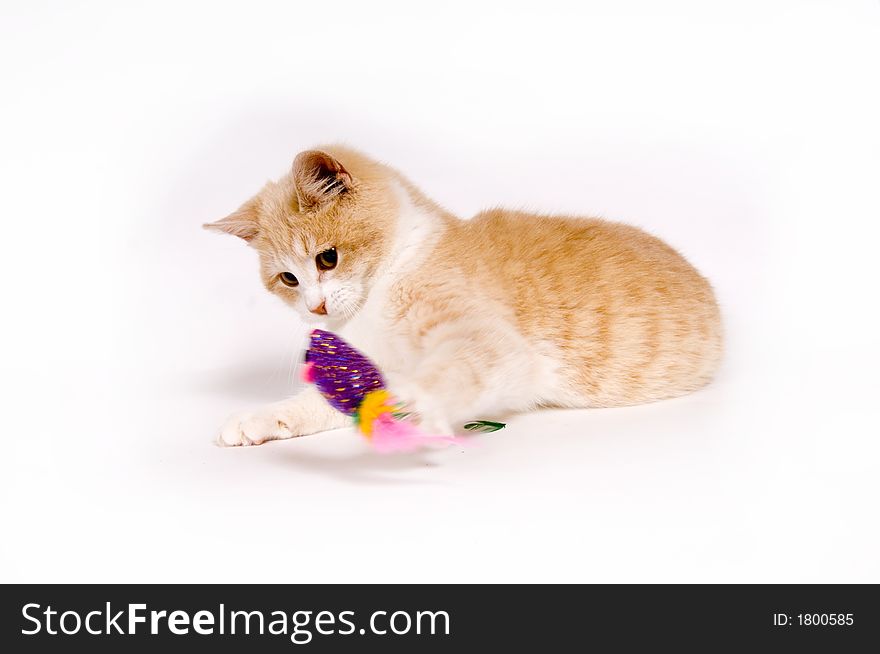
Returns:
(372,331)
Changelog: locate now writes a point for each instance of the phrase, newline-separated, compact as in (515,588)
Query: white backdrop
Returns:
(746,134)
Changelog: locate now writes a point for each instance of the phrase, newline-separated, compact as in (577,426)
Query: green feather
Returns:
(484,426)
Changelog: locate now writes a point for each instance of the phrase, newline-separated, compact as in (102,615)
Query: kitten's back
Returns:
(630,320)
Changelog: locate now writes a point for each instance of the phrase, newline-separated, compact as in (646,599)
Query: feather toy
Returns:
(352,384)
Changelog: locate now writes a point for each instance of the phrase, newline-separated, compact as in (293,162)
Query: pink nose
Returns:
(321,310)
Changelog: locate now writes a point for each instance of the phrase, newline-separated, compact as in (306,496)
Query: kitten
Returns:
(476,318)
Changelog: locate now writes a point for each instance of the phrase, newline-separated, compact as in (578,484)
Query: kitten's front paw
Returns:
(254,428)
(425,409)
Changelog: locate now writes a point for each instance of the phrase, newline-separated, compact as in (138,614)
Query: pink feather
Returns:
(390,435)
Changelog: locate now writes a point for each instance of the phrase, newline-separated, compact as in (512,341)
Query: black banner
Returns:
(437,618)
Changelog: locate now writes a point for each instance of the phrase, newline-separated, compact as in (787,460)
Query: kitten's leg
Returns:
(305,413)
(467,371)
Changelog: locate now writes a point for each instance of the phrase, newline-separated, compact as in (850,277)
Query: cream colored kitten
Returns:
(476,318)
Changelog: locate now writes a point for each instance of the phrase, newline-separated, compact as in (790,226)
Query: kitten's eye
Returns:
(327,259)
(288,279)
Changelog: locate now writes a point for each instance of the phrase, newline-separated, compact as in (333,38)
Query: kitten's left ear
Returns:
(319,177)
(242,222)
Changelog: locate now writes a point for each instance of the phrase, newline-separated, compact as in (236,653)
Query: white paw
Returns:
(255,428)
(424,407)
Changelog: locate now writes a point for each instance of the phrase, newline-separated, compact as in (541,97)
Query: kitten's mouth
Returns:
(324,318)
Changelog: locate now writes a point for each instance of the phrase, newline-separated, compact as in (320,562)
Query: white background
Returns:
(746,134)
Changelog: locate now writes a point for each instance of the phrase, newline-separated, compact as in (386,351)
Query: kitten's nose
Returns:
(321,310)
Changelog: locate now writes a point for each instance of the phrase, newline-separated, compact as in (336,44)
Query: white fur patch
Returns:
(369,329)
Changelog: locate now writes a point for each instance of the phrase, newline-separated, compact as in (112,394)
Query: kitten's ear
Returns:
(242,222)
(318,177)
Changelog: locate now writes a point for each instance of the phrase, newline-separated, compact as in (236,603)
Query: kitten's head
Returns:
(321,231)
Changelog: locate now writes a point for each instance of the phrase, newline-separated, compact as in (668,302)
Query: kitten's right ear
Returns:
(318,177)
(242,222)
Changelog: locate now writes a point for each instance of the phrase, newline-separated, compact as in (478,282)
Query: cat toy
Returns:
(352,384)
